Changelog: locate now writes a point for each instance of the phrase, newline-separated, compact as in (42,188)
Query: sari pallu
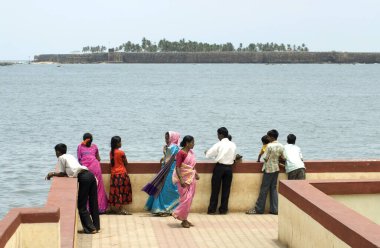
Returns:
(186,194)
(154,187)
(163,194)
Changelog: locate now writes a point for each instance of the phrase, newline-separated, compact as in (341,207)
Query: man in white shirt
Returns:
(294,165)
(224,154)
(69,166)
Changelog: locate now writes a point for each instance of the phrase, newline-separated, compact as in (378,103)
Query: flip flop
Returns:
(109,211)
(164,214)
(251,211)
(185,224)
(191,224)
(123,212)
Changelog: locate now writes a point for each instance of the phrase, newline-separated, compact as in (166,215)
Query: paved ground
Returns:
(143,230)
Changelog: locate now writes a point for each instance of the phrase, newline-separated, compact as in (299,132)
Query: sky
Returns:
(29,28)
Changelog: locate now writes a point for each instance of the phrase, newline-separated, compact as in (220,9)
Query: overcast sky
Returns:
(29,28)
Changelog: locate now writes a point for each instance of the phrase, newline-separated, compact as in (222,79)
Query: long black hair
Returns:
(186,139)
(87,136)
(115,140)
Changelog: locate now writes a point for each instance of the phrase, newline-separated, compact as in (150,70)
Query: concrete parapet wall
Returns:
(213,57)
(297,229)
(63,195)
(365,204)
(55,225)
(31,227)
(310,217)
(35,235)
(60,213)
(246,181)
(244,191)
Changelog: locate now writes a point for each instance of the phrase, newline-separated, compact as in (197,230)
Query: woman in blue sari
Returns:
(164,197)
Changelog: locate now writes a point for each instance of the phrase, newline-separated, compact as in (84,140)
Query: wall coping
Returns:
(325,166)
(63,194)
(312,198)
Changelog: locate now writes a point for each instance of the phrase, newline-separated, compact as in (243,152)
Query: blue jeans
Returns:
(269,183)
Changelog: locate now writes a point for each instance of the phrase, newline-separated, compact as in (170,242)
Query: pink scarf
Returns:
(187,169)
(174,138)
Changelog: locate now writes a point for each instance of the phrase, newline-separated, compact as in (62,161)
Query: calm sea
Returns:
(334,110)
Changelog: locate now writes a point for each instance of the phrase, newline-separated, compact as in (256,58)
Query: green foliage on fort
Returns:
(183,51)
(194,46)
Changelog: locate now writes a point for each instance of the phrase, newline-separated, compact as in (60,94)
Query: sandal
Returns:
(123,212)
(251,211)
(87,231)
(191,224)
(110,211)
(185,224)
(164,214)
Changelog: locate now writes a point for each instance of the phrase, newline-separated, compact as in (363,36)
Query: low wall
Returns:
(246,181)
(309,217)
(63,195)
(30,227)
(364,204)
(55,225)
(57,221)
(212,57)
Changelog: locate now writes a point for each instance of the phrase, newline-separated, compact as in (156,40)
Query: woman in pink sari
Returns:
(88,155)
(185,177)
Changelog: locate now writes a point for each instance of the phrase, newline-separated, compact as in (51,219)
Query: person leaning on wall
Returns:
(224,153)
(69,166)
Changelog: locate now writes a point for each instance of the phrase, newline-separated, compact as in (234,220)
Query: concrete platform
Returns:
(144,230)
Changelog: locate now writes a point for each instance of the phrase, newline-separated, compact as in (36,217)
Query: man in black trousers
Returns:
(69,166)
(224,153)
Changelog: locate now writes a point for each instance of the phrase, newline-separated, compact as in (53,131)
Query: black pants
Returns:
(88,190)
(222,175)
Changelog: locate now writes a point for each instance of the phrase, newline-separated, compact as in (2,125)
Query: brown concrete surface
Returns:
(144,230)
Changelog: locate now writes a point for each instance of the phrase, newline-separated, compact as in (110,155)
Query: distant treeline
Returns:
(194,46)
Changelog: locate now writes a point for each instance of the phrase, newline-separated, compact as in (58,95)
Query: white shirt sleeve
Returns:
(213,151)
(61,164)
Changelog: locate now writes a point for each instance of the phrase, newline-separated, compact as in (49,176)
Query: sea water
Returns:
(334,110)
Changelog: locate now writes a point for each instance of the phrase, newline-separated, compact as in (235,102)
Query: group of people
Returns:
(92,198)
(172,190)
(276,155)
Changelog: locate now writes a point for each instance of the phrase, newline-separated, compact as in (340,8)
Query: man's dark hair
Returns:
(291,139)
(62,148)
(273,133)
(223,131)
